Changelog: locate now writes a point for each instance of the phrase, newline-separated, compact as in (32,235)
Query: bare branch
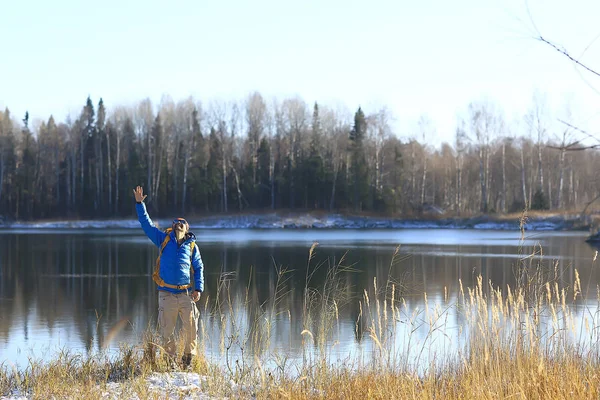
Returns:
(566,54)
(568,147)
(589,135)
(589,204)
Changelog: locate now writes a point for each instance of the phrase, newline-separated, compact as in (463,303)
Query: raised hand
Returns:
(138,192)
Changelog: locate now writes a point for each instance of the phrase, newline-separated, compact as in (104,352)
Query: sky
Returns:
(417,58)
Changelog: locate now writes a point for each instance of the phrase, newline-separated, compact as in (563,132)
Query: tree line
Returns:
(256,155)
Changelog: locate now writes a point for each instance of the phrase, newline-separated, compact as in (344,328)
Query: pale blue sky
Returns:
(416,57)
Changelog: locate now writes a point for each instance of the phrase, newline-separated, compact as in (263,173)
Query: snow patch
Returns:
(181,381)
(305,221)
(16,395)
(167,385)
(173,385)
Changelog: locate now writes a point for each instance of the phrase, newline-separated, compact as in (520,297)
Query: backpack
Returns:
(156,274)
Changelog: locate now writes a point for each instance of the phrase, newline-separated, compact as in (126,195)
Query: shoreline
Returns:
(552,222)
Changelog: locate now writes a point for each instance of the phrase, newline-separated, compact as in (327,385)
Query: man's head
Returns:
(180,226)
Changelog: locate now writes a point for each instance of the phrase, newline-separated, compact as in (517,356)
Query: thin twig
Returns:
(566,54)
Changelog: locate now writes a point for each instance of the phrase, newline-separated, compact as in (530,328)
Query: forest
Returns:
(256,155)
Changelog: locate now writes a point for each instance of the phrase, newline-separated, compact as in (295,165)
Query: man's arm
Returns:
(154,234)
(198,266)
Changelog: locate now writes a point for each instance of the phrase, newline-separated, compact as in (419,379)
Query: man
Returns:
(177,294)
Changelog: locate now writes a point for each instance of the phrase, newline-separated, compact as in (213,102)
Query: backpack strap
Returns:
(156,274)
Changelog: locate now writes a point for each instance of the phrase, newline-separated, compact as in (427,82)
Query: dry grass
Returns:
(523,342)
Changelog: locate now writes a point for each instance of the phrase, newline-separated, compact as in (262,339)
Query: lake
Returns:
(89,290)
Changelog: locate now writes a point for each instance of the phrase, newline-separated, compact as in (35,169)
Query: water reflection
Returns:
(70,290)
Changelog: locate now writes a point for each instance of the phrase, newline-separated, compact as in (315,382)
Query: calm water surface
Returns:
(74,289)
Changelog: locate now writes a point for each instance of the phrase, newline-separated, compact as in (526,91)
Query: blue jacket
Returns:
(175,259)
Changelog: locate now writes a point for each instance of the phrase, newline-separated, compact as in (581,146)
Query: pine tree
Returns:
(157,133)
(216,195)
(314,175)
(134,170)
(264,159)
(8,162)
(26,170)
(99,140)
(87,195)
(193,156)
(359,162)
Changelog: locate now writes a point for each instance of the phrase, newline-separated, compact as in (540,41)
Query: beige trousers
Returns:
(170,305)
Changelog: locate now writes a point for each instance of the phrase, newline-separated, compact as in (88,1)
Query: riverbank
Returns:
(529,377)
(535,222)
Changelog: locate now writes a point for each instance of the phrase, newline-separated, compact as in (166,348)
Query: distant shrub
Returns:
(540,201)
(516,206)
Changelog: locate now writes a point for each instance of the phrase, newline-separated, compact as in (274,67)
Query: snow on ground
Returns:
(308,221)
(14,396)
(173,385)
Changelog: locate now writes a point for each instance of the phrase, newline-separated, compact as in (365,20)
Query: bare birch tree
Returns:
(460,144)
